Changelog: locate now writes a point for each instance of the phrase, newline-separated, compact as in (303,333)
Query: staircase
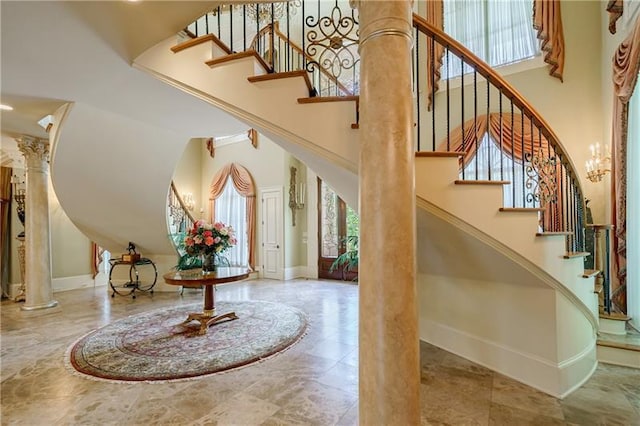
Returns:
(522,304)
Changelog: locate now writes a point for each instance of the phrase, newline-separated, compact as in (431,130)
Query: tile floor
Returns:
(313,383)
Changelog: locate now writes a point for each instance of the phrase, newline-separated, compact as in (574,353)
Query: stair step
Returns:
(573,254)
(521,209)
(588,273)
(615,316)
(355,126)
(240,55)
(284,75)
(439,154)
(318,99)
(552,233)
(482,182)
(199,40)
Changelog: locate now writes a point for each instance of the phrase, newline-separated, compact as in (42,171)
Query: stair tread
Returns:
(199,40)
(572,254)
(319,99)
(598,289)
(355,126)
(240,55)
(521,209)
(283,75)
(551,233)
(588,273)
(615,316)
(437,154)
(482,182)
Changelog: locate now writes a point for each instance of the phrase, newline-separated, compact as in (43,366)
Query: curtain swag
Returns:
(547,20)
(626,65)
(243,183)
(615,9)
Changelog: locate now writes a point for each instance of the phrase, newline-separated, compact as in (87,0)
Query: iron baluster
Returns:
(488,124)
(433,94)
(475,116)
(464,151)
(448,105)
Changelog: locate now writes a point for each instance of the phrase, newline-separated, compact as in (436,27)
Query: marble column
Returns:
(39,290)
(389,344)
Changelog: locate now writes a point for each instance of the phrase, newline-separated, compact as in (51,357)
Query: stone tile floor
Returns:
(313,383)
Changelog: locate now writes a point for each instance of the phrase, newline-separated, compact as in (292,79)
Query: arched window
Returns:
(231,209)
(235,184)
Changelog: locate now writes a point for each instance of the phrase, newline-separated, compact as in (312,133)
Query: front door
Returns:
(338,227)
(272,262)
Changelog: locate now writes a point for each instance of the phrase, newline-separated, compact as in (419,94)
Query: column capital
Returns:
(34,148)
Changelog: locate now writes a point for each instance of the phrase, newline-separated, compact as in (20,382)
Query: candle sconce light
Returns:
(599,164)
(297,193)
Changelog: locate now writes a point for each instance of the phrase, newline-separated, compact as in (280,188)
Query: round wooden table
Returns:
(196,277)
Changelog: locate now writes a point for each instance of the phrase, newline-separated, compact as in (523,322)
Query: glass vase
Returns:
(208,263)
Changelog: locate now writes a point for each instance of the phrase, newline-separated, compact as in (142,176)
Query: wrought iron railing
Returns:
(318,36)
(180,219)
(497,134)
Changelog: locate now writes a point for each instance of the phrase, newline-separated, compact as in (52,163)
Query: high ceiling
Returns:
(81,51)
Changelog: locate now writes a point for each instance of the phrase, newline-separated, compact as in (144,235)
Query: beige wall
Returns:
(269,167)
(187,176)
(70,249)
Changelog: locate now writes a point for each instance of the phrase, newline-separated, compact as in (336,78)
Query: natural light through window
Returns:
(231,209)
(500,32)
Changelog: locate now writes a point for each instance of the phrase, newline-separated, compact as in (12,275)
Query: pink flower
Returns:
(233,241)
(207,234)
(189,241)
(218,225)
(208,240)
(198,239)
(217,240)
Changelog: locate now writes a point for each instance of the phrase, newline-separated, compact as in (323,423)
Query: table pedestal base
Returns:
(207,319)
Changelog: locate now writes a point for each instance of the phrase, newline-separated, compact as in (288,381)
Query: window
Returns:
(491,163)
(499,32)
(231,209)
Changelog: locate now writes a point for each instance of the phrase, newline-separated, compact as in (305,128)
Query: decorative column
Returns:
(39,291)
(389,343)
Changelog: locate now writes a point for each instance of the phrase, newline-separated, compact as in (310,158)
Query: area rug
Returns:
(156,346)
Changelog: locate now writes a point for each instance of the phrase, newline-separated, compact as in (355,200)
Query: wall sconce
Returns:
(598,165)
(19,195)
(297,192)
(189,202)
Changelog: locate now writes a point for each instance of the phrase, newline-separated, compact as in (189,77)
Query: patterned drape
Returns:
(615,9)
(626,65)
(512,133)
(434,16)
(5,206)
(243,183)
(96,258)
(547,20)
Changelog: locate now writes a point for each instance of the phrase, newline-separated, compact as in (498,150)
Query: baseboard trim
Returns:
(295,272)
(555,379)
(72,283)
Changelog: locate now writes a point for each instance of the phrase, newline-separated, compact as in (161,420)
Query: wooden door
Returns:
(336,222)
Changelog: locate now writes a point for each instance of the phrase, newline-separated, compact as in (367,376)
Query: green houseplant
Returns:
(348,261)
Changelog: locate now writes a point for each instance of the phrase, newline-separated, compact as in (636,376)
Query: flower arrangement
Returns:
(206,238)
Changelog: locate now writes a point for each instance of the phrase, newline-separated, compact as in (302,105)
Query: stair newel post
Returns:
(389,384)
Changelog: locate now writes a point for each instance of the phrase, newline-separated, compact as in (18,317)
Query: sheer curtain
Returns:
(231,209)
(499,32)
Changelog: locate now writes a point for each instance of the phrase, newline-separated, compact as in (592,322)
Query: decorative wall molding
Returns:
(72,283)
(295,272)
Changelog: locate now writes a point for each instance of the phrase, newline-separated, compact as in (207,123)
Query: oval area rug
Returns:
(156,345)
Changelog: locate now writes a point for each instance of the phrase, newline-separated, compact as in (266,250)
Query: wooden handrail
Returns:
(498,81)
(181,202)
(298,49)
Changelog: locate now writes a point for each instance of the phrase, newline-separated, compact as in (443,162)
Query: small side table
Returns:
(134,283)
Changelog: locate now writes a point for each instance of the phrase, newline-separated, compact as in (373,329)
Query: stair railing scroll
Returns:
(502,136)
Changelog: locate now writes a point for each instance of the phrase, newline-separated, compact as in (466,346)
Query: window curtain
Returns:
(243,183)
(547,20)
(5,208)
(435,17)
(626,65)
(96,258)
(512,133)
(231,209)
(615,9)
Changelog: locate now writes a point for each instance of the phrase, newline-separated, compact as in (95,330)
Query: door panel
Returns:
(272,233)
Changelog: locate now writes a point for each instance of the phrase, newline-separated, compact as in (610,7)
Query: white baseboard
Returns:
(72,283)
(295,272)
(555,379)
